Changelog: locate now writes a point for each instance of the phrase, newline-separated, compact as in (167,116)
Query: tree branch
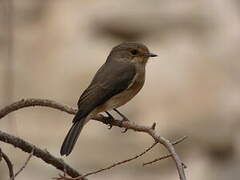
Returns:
(150,130)
(42,154)
(36,102)
(9,164)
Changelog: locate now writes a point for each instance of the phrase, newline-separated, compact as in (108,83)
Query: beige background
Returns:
(192,88)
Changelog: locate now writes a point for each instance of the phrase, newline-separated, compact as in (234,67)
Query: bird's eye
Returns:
(134,52)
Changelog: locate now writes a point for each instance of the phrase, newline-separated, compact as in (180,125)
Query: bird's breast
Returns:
(126,95)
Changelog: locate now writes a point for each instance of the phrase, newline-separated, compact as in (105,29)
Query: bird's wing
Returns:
(111,79)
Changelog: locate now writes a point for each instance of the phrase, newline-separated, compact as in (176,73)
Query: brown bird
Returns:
(118,80)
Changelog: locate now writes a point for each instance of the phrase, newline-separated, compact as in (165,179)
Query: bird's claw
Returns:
(110,117)
(108,120)
(124,119)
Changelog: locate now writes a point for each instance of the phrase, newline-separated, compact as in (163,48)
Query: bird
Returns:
(117,81)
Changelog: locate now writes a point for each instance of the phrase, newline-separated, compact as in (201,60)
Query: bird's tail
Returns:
(72,136)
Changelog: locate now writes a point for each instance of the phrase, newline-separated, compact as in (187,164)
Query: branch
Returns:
(36,102)
(121,162)
(63,177)
(114,122)
(168,155)
(155,135)
(42,154)
(9,164)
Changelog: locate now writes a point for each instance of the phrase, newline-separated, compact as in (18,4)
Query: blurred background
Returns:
(52,48)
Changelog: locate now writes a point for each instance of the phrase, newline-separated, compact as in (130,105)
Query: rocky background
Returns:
(191,89)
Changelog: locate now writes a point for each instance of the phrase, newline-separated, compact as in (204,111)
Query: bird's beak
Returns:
(150,55)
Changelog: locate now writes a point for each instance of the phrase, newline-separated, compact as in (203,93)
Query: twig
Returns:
(157,159)
(42,154)
(120,162)
(161,158)
(179,140)
(25,164)
(9,164)
(114,122)
(110,166)
(168,155)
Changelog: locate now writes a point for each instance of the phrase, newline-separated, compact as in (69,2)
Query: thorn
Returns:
(153,126)
(184,165)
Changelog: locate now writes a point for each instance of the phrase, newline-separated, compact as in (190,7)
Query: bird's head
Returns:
(131,52)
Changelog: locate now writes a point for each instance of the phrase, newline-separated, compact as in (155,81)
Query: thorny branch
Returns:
(114,122)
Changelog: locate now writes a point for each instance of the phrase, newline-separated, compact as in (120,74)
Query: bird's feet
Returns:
(109,119)
(124,118)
